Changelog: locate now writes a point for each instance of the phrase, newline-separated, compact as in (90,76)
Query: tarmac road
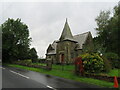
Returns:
(19,78)
(0,76)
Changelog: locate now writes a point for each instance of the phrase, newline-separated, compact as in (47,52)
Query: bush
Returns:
(92,63)
(114,59)
(107,64)
(111,55)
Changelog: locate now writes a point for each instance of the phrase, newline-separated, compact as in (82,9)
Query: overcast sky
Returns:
(46,19)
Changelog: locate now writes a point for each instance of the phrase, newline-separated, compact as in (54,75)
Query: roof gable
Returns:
(52,48)
(81,39)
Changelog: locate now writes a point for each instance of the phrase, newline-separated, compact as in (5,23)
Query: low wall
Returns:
(102,77)
(35,66)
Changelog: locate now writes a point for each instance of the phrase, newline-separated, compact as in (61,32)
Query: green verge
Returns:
(66,75)
(114,72)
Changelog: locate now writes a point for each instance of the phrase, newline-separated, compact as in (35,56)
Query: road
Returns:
(0,76)
(19,78)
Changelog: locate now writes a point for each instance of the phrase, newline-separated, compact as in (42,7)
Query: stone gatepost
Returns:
(49,64)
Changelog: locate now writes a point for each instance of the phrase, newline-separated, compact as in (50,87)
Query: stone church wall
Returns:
(67,48)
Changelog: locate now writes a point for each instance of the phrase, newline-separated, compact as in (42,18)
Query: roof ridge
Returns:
(81,33)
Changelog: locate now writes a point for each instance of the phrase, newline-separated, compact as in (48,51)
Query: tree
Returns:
(102,21)
(108,30)
(33,55)
(16,40)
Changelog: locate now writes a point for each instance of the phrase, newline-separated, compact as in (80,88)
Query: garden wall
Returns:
(35,66)
(102,77)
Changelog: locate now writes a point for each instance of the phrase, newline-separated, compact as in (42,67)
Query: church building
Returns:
(68,47)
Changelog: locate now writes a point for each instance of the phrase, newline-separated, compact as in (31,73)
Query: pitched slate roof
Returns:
(81,38)
(53,50)
(66,33)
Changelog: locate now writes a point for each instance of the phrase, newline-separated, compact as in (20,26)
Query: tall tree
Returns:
(108,30)
(102,21)
(33,55)
(15,40)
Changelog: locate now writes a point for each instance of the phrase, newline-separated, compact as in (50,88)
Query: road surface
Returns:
(0,76)
(19,78)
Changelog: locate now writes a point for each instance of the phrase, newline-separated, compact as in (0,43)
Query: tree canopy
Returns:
(33,55)
(15,40)
(108,29)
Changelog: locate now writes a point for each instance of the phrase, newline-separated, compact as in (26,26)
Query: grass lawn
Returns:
(64,67)
(66,74)
(114,72)
(39,64)
(58,67)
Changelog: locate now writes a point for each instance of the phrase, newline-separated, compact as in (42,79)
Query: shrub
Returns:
(114,59)
(92,63)
(107,64)
(111,55)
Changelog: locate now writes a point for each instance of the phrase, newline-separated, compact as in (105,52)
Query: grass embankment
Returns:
(114,72)
(59,67)
(67,75)
(39,64)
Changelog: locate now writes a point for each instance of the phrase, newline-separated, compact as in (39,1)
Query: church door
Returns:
(61,58)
